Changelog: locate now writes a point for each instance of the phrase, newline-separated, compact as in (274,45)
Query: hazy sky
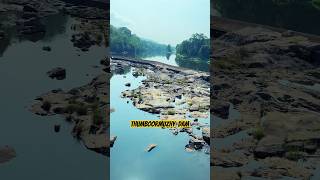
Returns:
(164,21)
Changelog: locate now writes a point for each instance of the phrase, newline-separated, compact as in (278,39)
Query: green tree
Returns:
(198,46)
(169,50)
(123,42)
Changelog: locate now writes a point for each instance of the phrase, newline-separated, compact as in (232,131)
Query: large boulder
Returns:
(220,109)
(270,146)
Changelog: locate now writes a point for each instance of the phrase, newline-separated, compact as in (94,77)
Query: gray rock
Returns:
(57,73)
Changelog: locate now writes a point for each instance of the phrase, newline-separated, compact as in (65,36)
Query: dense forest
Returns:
(196,47)
(123,42)
(298,15)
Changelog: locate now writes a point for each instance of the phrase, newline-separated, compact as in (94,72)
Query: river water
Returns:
(197,65)
(42,153)
(169,160)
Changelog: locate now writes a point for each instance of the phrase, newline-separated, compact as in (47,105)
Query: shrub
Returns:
(258,133)
(171,112)
(80,109)
(294,155)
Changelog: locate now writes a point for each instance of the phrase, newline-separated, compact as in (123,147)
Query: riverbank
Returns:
(271,79)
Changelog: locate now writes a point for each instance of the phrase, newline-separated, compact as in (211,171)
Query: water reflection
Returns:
(198,65)
(53,25)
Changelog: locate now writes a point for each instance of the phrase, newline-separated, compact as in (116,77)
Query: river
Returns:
(169,160)
(42,153)
(197,65)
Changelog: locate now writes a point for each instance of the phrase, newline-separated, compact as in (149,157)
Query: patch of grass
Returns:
(258,133)
(79,108)
(294,155)
(171,112)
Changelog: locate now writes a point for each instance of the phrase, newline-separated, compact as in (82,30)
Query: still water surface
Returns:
(41,153)
(168,160)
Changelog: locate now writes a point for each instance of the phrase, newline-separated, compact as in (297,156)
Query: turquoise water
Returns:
(168,161)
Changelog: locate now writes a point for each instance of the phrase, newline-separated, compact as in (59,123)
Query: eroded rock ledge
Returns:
(271,79)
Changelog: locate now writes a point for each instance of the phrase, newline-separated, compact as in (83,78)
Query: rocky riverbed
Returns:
(26,19)
(172,93)
(271,79)
(86,106)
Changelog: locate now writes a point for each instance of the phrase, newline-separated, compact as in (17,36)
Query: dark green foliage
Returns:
(171,112)
(77,107)
(294,155)
(169,49)
(123,42)
(258,133)
(198,46)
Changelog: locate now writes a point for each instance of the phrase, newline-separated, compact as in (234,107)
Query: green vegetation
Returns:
(77,107)
(294,155)
(169,49)
(171,112)
(123,42)
(198,47)
(258,133)
(316,3)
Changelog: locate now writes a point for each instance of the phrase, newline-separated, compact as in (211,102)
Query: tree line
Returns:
(123,42)
(198,46)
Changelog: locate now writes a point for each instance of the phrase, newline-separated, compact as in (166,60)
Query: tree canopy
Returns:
(123,42)
(198,46)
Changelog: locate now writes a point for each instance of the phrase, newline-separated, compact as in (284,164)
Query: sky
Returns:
(163,21)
